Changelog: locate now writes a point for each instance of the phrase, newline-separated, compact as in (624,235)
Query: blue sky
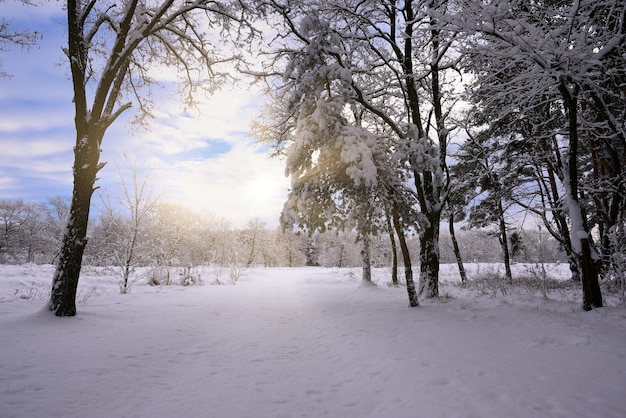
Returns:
(208,163)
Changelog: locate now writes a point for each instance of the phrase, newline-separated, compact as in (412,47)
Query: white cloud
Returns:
(234,181)
(239,185)
(206,160)
(26,12)
(40,147)
(6,182)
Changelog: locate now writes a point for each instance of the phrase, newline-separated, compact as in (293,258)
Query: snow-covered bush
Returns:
(189,277)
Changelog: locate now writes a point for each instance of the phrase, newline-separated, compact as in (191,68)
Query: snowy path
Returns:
(307,343)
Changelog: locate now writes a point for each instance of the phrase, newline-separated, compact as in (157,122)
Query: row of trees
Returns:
(31,231)
(172,236)
(393,115)
(407,113)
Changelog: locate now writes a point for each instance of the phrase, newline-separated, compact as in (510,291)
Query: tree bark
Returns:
(504,243)
(367,260)
(592,295)
(89,134)
(65,280)
(560,220)
(434,185)
(394,252)
(457,251)
(429,259)
(408,269)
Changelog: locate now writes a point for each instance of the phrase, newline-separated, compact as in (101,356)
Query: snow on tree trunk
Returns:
(580,234)
(429,261)
(367,260)
(65,280)
(504,243)
(394,252)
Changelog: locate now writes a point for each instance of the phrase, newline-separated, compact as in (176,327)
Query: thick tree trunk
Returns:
(592,294)
(580,235)
(65,280)
(408,268)
(429,259)
(457,251)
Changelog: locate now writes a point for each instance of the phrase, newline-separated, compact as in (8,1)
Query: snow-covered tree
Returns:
(253,241)
(28,232)
(339,249)
(211,241)
(55,213)
(333,159)
(290,246)
(391,61)
(14,217)
(485,172)
(530,136)
(568,50)
(113,50)
(172,230)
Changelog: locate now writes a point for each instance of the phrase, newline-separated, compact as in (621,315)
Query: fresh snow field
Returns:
(304,342)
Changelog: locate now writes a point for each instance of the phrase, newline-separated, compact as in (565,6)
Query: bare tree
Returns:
(291,247)
(171,228)
(111,48)
(253,240)
(14,217)
(138,201)
(572,56)
(55,211)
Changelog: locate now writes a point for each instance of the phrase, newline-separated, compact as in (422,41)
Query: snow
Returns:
(577,229)
(304,342)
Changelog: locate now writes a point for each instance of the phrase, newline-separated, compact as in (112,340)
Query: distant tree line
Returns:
(175,236)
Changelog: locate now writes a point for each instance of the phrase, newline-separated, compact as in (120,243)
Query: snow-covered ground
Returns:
(305,342)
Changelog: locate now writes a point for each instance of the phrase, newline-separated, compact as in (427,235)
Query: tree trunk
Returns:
(592,294)
(429,258)
(504,243)
(580,235)
(434,186)
(561,223)
(367,260)
(457,251)
(408,269)
(394,252)
(125,275)
(65,280)
(30,257)
(129,260)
